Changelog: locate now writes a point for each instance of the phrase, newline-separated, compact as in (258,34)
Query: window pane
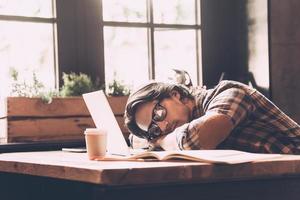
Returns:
(175,49)
(27,52)
(124,10)
(174,11)
(29,8)
(126,53)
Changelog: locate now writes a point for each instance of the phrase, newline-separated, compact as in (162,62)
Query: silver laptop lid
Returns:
(103,117)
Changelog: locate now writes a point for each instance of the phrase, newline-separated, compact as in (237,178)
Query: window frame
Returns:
(44,20)
(150,25)
(83,24)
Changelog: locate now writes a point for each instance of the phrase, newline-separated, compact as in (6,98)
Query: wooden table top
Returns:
(77,167)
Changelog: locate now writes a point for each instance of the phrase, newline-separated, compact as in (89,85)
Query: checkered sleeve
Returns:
(233,102)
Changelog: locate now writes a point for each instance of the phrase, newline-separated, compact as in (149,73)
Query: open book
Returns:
(207,156)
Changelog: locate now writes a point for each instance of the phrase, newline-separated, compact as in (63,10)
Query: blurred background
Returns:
(132,41)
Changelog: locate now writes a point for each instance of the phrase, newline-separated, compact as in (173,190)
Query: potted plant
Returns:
(33,114)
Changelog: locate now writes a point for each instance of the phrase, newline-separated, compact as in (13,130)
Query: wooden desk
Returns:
(57,175)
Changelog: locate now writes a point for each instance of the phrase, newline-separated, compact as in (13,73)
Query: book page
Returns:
(148,155)
(221,156)
(207,156)
(159,155)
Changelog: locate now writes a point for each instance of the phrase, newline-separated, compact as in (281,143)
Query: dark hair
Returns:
(151,91)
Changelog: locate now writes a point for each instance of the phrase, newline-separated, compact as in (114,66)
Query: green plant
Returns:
(76,84)
(117,88)
(22,88)
(48,96)
(73,85)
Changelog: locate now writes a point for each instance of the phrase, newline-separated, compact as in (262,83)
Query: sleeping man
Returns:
(230,116)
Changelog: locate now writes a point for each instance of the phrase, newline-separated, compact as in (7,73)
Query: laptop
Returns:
(103,117)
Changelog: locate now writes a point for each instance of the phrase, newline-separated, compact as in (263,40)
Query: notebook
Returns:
(103,117)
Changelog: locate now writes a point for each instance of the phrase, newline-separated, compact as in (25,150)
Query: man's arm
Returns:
(205,132)
(224,112)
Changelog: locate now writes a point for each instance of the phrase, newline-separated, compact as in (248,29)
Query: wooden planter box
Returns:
(30,119)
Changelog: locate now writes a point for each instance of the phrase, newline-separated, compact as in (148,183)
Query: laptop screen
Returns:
(104,118)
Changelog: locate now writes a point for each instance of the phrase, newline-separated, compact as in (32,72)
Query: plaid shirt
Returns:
(259,126)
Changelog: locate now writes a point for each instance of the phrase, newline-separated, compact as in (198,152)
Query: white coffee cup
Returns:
(96,141)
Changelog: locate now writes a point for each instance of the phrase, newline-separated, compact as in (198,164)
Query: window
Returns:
(27,41)
(145,39)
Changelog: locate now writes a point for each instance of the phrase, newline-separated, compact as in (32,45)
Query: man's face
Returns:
(167,114)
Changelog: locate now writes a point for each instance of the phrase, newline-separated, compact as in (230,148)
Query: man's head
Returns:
(157,109)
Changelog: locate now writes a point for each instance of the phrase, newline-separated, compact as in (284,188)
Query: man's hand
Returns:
(205,132)
(169,141)
(155,143)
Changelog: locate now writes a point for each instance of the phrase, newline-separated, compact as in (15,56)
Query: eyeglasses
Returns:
(159,114)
